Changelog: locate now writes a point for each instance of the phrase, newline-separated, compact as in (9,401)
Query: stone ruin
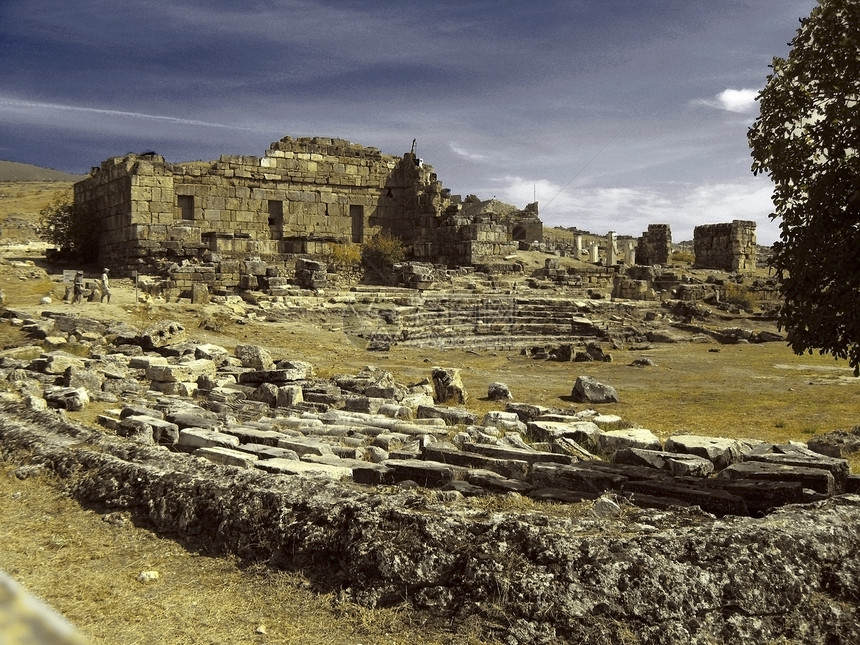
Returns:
(727,247)
(655,245)
(366,484)
(303,196)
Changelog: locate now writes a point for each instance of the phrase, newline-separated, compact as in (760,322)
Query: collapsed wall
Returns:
(727,247)
(595,575)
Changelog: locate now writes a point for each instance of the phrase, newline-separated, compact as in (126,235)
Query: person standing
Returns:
(105,285)
(78,288)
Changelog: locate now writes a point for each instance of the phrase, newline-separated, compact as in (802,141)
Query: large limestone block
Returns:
(227,456)
(305,446)
(162,432)
(448,386)
(609,442)
(254,356)
(181,372)
(588,390)
(204,438)
(305,468)
(675,463)
(719,451)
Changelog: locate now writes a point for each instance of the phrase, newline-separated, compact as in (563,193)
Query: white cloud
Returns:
(465,154)
(738,101)
(629,210)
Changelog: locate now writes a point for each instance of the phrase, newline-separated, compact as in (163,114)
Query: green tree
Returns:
(71,228)
(807,139)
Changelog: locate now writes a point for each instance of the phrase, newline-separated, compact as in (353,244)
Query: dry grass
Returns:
(27,198)
(87,569)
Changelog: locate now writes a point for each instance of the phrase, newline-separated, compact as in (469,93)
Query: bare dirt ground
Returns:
(87,567)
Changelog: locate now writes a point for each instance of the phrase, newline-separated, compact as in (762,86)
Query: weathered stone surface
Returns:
(584,433)
(800,456)
(254,356)
(254,435)
(203,438)
(451,416)
(816,479)
(304,468)
(721,452)
(839,443)
(227,457)
(305,446)
(423,473)
(67,398)
(181,372)
(499,392)
(718,502)
(612,440)
(448,386)
(505,421)
(794,574)
(509,468)
(674,463)
(588,390)
(546,475)
(161,431)
(507,452)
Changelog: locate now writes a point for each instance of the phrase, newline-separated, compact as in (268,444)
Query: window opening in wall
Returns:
(356,214)
(276,219)
(185,204)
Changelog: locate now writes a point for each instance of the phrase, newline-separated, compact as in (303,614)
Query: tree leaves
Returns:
(807,139)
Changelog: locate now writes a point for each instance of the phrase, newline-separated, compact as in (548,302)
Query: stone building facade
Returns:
(727,247)
(302,196)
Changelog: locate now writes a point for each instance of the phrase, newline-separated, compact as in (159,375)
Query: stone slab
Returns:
(226,456)
(305,468)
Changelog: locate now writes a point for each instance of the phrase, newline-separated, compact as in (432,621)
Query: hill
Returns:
(14,171)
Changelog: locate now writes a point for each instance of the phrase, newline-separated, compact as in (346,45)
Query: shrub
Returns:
(71,228)
(379,254)
(684,257)
(344,256)
(741,296)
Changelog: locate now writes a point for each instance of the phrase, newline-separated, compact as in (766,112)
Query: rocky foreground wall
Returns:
(586,573)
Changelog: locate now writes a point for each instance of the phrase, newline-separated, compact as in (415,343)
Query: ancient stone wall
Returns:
(655,245)
(299,198)
(728,247)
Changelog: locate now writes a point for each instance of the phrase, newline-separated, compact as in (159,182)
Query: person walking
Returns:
(105,285)
(78,288)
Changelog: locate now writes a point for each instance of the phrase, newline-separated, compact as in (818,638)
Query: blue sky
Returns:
(614,114)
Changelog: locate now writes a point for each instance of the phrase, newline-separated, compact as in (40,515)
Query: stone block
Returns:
(674,463)
(612,440)
(305,446)
(817,479)
(304,468)
(549,475)
(190,438)
(423,473)
(227,456)
(721,452)
(185,372)
(162,432)
(508,468)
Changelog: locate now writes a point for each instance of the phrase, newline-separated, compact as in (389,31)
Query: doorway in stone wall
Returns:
(356,214)
(276,219)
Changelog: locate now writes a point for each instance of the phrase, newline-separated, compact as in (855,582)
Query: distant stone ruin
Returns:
(728,247)
(655,245)
(303,196)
